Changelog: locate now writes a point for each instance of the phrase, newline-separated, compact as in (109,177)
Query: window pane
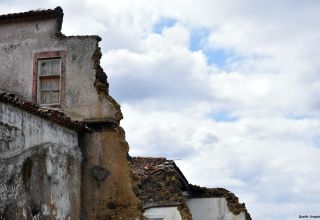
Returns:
(45,97)
(49,83)
(45,84)
(55,83)
(55,97)
(44,67)
(55,67)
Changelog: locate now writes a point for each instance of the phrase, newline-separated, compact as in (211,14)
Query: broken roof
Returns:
(232,200)
(46,113)
(34,15)
(146,166)
(161,183)
(159,186)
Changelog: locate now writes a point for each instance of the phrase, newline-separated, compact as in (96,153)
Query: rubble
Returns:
(161,183)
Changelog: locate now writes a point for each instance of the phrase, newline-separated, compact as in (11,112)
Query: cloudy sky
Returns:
(230,89)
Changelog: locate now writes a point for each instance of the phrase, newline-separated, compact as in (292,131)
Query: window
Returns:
(49,81)
(48,78)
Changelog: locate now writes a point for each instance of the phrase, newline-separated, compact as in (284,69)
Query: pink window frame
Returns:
(48,55)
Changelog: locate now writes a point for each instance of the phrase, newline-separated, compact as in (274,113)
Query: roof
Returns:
(34,15)
(161,183)
(159,186)
(148,166)
(52,115)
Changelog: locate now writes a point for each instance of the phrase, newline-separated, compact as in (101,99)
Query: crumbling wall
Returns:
(40,173)
(85,98)
(212,208)
(185,212)
(160,185)
(231,200)
(86,87)
(21,40)
(160,189)
(107,192)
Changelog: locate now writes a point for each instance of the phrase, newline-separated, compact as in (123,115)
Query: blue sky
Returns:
(198,42)
(162,24)
(222,116)
(228,87)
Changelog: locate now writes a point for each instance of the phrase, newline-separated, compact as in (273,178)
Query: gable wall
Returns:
(18,44)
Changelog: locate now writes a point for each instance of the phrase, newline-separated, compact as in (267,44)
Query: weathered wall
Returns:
(212,209)
(18,44)
(85,98)
(107,192)
(40,173)
(165,213)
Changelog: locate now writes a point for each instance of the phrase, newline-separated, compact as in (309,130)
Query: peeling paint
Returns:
(51,175)
(34,173)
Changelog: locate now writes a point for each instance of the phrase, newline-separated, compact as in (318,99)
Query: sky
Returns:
(229,89)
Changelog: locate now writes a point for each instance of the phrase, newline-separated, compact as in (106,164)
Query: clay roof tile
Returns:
(52,115)
(34,15)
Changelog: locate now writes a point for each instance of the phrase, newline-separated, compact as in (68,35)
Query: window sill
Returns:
(50,106)
(49,76)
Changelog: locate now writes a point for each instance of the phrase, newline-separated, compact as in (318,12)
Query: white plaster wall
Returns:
(50,185)
(18,41)
(26,30)
(18,44)
(30,130)
(167,213)
(212,209)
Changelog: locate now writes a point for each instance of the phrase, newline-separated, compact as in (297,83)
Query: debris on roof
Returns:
(232,200)
(161,183)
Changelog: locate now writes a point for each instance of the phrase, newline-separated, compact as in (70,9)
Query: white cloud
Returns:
(268,153)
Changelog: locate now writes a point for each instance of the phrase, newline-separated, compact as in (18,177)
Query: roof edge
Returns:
(48,114)
(34,15)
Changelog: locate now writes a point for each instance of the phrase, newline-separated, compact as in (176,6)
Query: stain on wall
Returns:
(11,139)
(106,177)
(40,174)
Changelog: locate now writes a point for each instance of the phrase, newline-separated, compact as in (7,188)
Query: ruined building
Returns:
(166,194)
(63,154)
(51,166)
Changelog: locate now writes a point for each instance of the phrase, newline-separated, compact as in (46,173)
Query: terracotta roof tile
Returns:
(159,170)
(34,15)
(146,166)
(159,182)
(52,115)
